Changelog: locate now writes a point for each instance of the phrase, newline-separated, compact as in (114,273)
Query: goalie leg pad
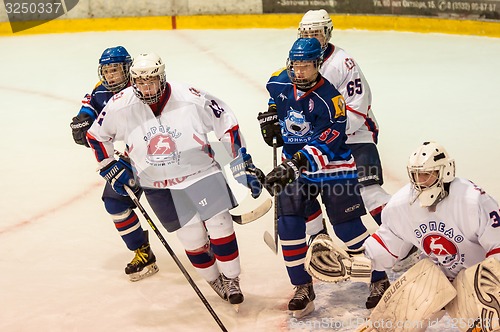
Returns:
(477,304)
(328,262)
(413,299)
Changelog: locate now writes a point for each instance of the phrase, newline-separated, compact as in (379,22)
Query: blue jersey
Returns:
(313,123)
(92,104)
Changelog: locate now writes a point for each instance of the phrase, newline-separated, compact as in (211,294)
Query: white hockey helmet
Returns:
(316,24)
(430,161)
(148,77)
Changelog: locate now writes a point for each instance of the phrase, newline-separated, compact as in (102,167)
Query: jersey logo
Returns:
(86,99)
(349,63)
(296,129)
(161,149)
(339,105)
(311,105)
(439,248)
(195,92)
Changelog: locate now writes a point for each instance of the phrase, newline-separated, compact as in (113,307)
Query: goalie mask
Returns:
(148,77)
(304,59)
(316,24)
(113,70)
(429,168)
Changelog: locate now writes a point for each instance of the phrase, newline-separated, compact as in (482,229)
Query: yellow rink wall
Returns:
(341,22)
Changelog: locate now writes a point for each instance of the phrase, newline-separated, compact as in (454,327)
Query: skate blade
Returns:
(146,272)
(306,311)
(236,307)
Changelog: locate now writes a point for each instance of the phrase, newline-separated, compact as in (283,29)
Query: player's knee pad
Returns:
(193,235)
(478,297)
(413,299)
(220,225)
(115,206)
(121,216)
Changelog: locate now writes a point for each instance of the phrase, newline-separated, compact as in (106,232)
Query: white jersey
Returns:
(345,74)
(463,231)
(171,150)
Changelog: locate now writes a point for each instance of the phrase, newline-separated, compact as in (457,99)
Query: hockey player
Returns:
(312,117)
(165,127)
(362,129)
(340,69)
(113,72)
(456,225)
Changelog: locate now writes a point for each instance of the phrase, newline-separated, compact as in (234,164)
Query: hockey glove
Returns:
(119,174)
(270,126)
(328,262)
(245,172)
(287,172)
(79,126)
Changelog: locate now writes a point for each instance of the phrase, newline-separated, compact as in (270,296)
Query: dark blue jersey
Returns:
(313,123)
(92,104)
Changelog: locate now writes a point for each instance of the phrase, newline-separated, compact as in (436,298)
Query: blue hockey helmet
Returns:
(114,66)
(304,59)
(305,49)
(116,54)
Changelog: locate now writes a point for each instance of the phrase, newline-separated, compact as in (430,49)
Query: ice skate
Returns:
(377,290)
(233,290)
(143,265)
(302,303)
(219,287)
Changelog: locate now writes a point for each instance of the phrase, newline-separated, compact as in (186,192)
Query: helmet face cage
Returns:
(149,89)
(316,24)
(429,168)
(148,78)
(113,69)
(301,73)
(114,76)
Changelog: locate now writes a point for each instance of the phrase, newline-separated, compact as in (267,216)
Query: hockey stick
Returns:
(174,257)
(240,219)
(254,214)
(271,242)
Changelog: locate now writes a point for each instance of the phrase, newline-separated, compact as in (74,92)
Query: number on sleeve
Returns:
(495,219)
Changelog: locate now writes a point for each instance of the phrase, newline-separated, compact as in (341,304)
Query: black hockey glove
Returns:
(286,173)
(80,124)
(270,126)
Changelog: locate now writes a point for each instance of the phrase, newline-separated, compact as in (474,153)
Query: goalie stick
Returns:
(240,219)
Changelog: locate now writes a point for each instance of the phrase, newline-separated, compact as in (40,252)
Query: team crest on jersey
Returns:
(162,149)
(296,128)
(440,248)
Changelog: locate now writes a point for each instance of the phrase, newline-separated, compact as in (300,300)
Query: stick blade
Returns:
(254,214)
(270,241)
